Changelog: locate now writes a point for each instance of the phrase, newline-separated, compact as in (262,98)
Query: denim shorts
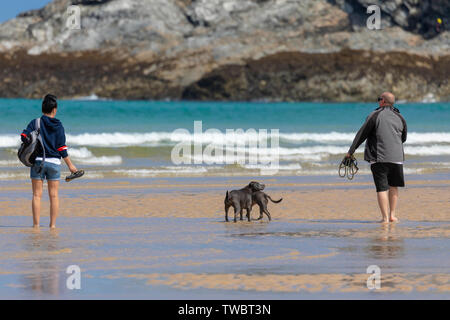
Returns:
(50,171)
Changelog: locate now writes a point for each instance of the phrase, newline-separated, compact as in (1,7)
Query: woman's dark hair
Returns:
(49,104)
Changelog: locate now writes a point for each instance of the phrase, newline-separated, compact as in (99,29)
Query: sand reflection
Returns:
(42,247)
(386,244)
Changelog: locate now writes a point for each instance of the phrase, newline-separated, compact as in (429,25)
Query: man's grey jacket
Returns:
(385,130)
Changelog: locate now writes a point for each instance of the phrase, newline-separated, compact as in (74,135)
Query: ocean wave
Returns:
(315,153)
(171,170)
(434,150)
(14,175)
(84,156)
(240,155)
(9,140)
(120,139)
(185,170)
(428,138)
(9,163)
(317,137)
(285,167)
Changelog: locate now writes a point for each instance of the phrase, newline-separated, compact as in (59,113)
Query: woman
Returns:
(54,140)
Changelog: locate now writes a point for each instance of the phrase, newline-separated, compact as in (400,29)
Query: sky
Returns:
(10,9)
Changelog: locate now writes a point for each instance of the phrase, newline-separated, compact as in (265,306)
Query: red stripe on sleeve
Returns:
(62,148)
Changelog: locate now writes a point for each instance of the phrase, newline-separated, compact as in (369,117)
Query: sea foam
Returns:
(121,139)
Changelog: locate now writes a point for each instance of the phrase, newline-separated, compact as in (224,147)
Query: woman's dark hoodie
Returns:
(53,136)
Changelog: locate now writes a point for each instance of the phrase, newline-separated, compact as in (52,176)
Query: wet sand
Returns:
(423,200)
(166,238)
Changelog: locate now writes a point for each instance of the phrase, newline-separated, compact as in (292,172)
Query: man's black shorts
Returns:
(387,175)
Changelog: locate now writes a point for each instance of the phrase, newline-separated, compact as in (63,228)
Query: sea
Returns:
(132,139)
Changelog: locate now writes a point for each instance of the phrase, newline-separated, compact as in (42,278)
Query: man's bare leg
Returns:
(393,197)
(383,203)
(37,186)
(54,202)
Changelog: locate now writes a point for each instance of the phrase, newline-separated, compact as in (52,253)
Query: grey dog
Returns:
(242,199)
(262,199)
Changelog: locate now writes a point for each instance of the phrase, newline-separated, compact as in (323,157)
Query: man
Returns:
(385,130)
(54,140)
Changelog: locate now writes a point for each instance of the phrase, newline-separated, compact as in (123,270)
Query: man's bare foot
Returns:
(383,221)
(393,219)
(35,226)
(52,227)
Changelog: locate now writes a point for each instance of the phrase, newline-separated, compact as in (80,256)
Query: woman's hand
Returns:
(70,165)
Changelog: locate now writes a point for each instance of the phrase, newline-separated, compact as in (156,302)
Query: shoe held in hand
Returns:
(75,175)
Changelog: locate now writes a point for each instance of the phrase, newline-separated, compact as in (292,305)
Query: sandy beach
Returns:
(166,238)
(423,200)
(157,109)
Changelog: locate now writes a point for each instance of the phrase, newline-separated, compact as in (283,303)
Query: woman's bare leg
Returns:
(37,186)
(54,201)
(393,197)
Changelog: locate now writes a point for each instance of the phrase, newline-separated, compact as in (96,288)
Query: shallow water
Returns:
(182,258)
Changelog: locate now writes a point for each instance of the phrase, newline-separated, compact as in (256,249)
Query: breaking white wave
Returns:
(25,174)
(434,150)
(412,139)
(14,175)
(9,163)
(171,170)
(315,153)
(428,138)
(9,140)
(285,167)
(84,156)
(120,139)
(317,137)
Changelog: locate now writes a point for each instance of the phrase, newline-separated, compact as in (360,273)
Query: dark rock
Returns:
(31,13)
(227,49)
(412,15)
(343,76)
(88,2)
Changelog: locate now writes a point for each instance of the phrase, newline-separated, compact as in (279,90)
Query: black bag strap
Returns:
(39,137)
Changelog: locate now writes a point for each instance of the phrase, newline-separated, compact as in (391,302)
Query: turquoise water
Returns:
(135,138)
(147,116)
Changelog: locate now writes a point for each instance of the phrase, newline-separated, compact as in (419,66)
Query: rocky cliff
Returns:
(313,50)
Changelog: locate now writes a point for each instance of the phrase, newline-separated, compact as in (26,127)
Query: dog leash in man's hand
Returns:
(350,167)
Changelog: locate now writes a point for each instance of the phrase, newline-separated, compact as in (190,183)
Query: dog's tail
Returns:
(227,197)
(274,201)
